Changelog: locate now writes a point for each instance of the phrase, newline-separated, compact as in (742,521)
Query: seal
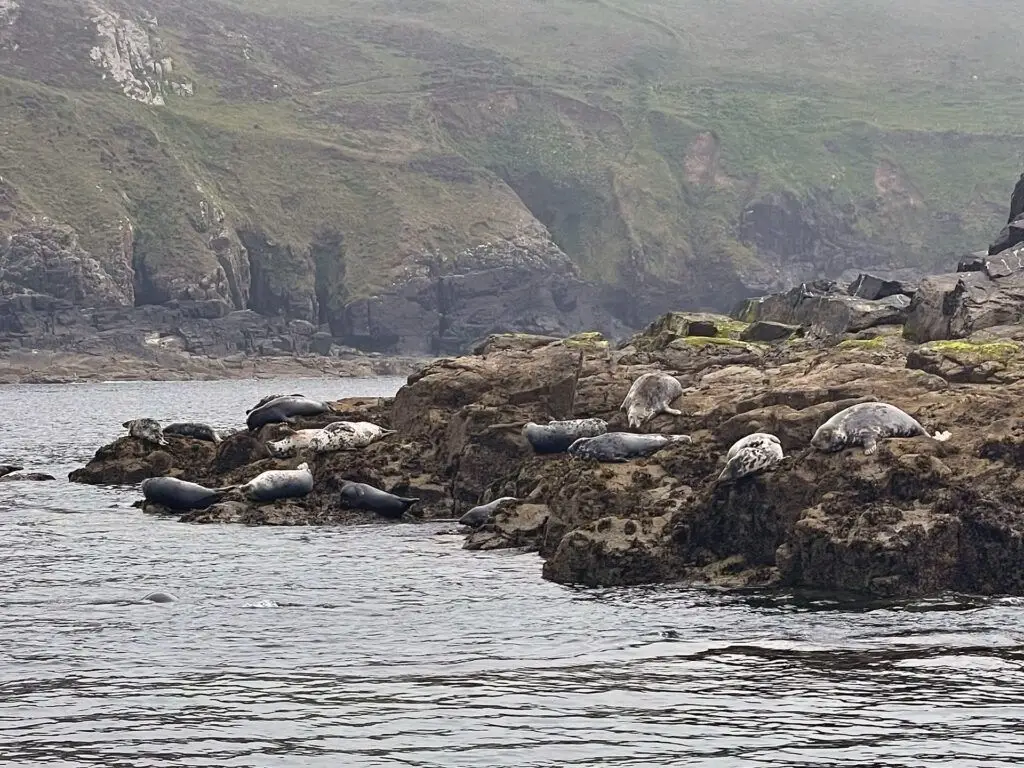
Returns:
(347,436)
(865,424)
(292,443)
(159,597)
(284,409)
(622,446)
(750,455)
(363,496)
(263,401)
(557,436)
(6,469)
(178,494)
(193,430)
(481,515)
(34,476)
(651,394)
(279,484)
(146,429)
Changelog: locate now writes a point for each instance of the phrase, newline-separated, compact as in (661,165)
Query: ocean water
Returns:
(389,645)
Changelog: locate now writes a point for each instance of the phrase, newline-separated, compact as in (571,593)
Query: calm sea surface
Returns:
(388,645)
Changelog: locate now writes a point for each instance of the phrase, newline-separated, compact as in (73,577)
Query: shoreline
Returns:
(45,367)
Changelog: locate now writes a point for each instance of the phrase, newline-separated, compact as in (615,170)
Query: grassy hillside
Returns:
(403,131)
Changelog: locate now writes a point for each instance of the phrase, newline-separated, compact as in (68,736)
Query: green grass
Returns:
(592,111)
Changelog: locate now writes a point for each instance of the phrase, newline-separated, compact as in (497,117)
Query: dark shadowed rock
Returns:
(765,330)
(870,287)
(825,311)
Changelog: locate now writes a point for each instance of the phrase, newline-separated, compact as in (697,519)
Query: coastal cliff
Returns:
(410,178)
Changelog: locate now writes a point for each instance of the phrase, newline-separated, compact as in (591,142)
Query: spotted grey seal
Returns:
(6,469)
(284,409)
(145,429)
(279,484)
(363,496)
(622,446)
(751,454)
(557,436)
(651,394)
(865,424)
(178,494)
(347,436)
(481,514)
(291,443)
(193,430)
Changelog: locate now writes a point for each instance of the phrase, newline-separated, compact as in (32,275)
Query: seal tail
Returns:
(942,436)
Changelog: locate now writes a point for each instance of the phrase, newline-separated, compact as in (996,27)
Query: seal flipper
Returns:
(673,411)
(942,436)
(870,444)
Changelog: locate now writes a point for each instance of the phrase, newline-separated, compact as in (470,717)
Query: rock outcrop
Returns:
(918,517)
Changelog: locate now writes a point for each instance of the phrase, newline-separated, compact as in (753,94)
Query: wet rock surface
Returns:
(917,517)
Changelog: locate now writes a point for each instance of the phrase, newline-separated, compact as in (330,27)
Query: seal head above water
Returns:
(865,424)
(557,436)
(651,394)
(622,446)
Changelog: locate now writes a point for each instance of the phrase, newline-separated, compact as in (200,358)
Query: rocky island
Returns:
(917,517)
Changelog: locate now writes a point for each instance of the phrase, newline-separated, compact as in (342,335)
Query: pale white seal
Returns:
(279,484)
(651,394)
(289,445)
(865,424)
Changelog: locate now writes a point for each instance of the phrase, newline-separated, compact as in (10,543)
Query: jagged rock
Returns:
(956,305)
(824,311)
(129,460)
(870,287)
(50,260)
(765,330)
(1011,235)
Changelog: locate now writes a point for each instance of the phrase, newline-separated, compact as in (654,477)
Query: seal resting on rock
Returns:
(290,444)
(557,436)
(346,436)
(480,515)
(279,484)
(363,496)
(145,429)
(6,469)
(178,494)
(263,401)
(284,409)
(865,424)
(622,446)
(193,430)
(651,394)
(751,454)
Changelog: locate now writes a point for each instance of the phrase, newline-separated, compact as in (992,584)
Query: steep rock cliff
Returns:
(413,176)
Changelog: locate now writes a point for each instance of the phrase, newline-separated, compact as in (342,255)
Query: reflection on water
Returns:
(388,645)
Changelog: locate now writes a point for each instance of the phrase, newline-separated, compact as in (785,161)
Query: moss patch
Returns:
(587,340)
(974,352)
(876,343)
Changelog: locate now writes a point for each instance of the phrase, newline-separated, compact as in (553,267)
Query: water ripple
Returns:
(391,646)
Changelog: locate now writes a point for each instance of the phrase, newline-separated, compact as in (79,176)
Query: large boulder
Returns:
(957,305)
